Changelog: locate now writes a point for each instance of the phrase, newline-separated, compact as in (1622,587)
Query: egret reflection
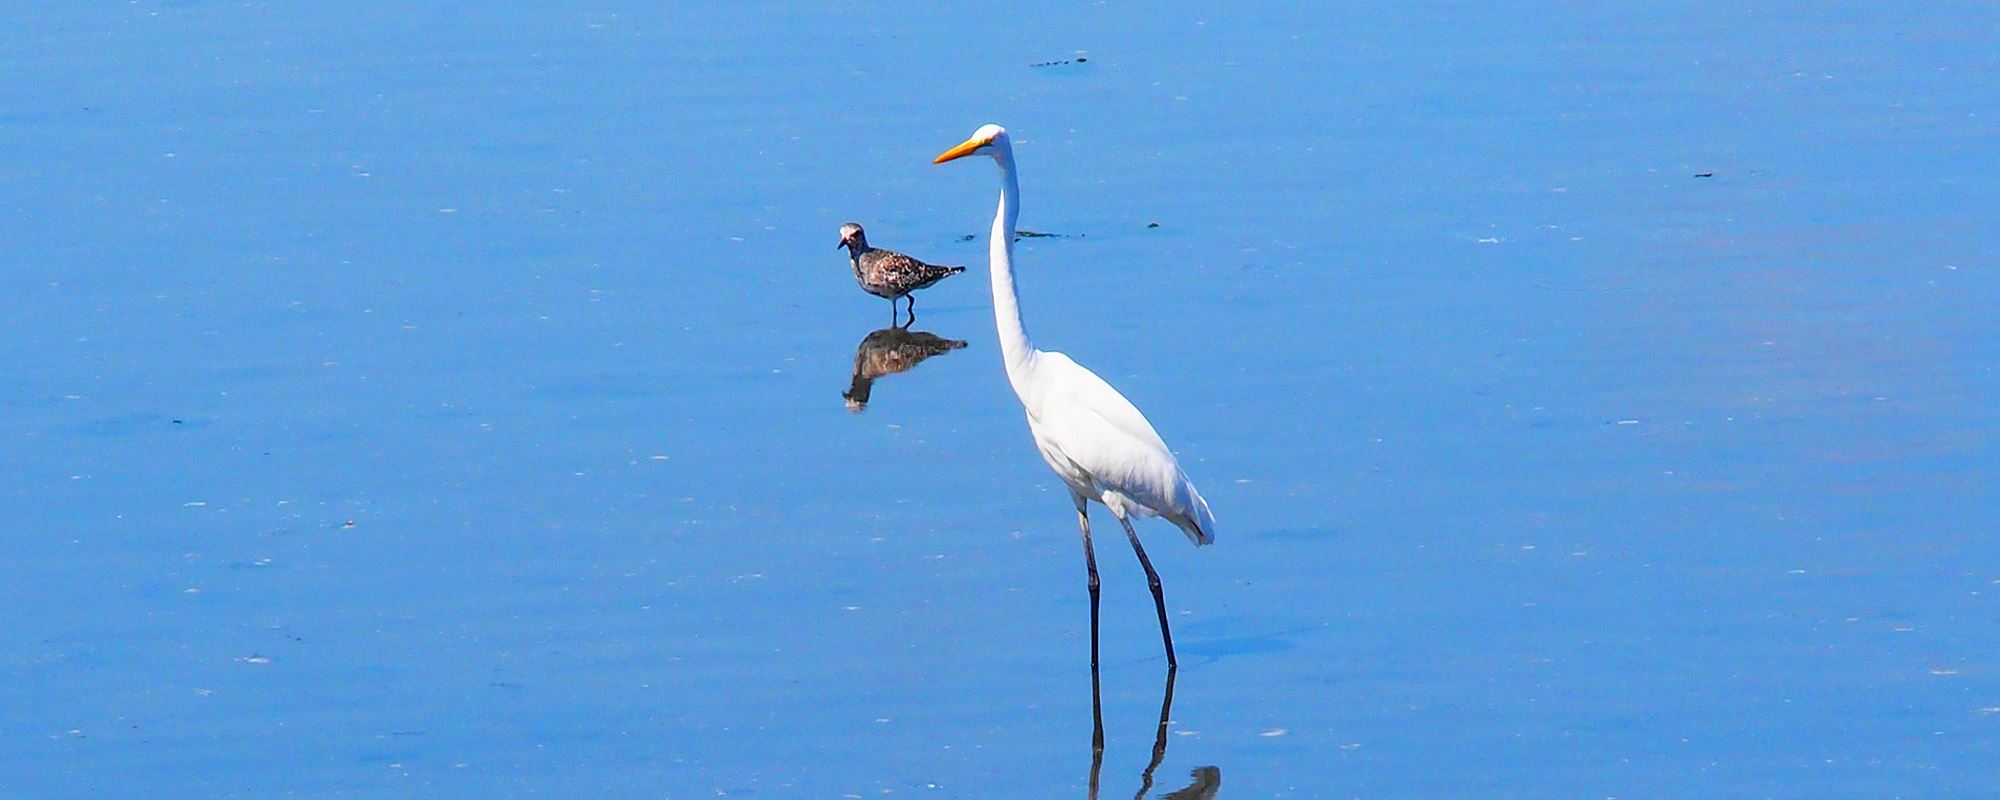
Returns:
(887,352)
(1205,780)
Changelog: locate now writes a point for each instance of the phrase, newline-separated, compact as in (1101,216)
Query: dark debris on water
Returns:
(1080,59)
(1028,234)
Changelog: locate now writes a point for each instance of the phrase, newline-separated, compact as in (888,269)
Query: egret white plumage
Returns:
(1094,438)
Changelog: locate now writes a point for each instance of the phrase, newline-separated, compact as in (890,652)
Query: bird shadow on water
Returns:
(1205,781)
(1212,649)
(889,351)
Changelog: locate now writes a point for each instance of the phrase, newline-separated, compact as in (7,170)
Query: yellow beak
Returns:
(964,149)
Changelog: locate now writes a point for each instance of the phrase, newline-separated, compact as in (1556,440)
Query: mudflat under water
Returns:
(447,401)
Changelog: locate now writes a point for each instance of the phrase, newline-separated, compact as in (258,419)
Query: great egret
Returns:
(1094,438)
(887,273)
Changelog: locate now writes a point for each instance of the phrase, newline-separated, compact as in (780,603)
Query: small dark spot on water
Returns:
(1152,225)
(968,237)
(1080,59)
(1704,174)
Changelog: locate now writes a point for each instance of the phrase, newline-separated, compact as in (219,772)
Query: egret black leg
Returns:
(1096,732)
(1089,563)
(1152,580)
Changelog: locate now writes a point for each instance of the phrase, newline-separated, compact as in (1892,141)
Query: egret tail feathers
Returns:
(1196,520)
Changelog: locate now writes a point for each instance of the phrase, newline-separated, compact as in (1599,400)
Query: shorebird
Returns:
(887,273)
(1094,438)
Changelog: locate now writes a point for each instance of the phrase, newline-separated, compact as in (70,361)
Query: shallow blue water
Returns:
(445,401)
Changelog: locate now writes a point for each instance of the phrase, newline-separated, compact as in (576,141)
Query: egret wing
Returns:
(1101,431)
(1096,429)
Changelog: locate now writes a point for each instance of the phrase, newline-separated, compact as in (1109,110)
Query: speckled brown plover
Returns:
(887,273)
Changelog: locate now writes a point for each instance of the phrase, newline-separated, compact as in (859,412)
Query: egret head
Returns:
(989,140)
(851,237)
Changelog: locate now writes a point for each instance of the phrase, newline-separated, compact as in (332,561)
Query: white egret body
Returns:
(1094,438)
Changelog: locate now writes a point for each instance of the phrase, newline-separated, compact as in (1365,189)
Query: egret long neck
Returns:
(1015,348)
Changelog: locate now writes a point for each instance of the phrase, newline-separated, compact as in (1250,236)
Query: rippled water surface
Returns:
(457,400)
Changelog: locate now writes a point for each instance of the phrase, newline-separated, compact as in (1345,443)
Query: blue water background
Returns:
(442,400)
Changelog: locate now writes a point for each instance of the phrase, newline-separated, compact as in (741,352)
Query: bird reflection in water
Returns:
(1206,780)
(887,352)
